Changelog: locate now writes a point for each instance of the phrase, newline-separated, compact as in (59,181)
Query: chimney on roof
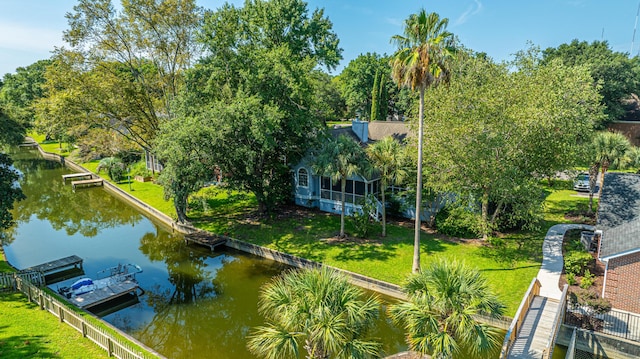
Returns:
(361,130)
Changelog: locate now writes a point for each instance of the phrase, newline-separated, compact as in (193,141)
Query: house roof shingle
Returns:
(619,214)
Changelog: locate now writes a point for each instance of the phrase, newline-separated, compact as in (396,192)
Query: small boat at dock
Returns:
(109,284)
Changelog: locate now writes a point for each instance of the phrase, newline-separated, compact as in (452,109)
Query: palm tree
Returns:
(439,314)
(317,309)
(609,149)
(422,61)
(387,157)
(341,158)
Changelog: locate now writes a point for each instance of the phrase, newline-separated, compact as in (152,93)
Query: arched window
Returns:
(303,178)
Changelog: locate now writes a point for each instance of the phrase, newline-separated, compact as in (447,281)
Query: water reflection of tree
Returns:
(86,211)
(209,310)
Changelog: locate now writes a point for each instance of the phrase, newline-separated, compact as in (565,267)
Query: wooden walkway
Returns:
(103,295)
(536,329)
(89,182)
(76,175)
(205,239)
(56,265)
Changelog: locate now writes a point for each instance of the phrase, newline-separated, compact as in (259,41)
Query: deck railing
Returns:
(516,324)
(557,323)
(114,346)
(571,349)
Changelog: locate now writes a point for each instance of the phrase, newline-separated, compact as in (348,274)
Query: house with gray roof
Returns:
(618,227)
(315,191)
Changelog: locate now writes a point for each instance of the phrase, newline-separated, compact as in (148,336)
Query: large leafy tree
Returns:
(318,310)
(341,158)
(186,149)
(438,316)
(124,67)
(261,61)
(365,78)
(387,156)
(9,190)
(616,73)
(497,129)
(21,90)
(422,61)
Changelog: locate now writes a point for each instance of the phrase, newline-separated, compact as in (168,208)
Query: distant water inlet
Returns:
(196,303)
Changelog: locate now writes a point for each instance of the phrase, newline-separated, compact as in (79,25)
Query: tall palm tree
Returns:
(439,314)
(387,157)
(423,60)
(341,158)
(319,310)
(609,149)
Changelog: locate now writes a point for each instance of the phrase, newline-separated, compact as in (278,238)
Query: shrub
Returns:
(113,166)
(576,262)
(362,221)
(587,280)
(459,222)
(140,169)
(571,279)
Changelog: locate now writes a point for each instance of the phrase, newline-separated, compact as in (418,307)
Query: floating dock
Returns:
(76,175)
(205,239)
(56,265)
(86,183)
(105,294)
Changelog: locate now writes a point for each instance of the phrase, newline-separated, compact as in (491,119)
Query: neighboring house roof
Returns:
(619,214)
(366,132)
(381,129)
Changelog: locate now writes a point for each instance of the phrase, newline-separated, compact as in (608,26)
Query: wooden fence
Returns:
(8,280)
(114,346)
(514,328)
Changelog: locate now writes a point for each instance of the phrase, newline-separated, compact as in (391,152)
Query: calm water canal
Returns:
(196,304)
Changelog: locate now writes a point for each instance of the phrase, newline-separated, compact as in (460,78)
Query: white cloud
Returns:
(22,37)
(471,10)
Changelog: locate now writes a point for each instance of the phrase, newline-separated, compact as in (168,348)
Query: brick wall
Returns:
(623,284)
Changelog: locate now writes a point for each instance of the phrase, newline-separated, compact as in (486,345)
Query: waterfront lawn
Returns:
(510,264)
(148,192)
(28,332)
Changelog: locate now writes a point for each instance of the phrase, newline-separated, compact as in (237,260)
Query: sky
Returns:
(30,29)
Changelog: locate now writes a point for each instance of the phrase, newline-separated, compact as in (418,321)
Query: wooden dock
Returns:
(106,294)
(205,239)
(56,265)
(86,183)
(76,175)
(533,338)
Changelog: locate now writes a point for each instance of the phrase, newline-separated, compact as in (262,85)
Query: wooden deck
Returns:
(56,265)
(86,183)
(536,329)
(205,239)
(76,175)
(103,295)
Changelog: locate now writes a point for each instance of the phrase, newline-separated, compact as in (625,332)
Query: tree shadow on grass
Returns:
(18,347)
(514,249)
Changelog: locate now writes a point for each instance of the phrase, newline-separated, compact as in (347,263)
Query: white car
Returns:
(581,183)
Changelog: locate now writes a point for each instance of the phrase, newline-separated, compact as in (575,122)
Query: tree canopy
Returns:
(124,67)
(257,84)
(496,130)
(616,73)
